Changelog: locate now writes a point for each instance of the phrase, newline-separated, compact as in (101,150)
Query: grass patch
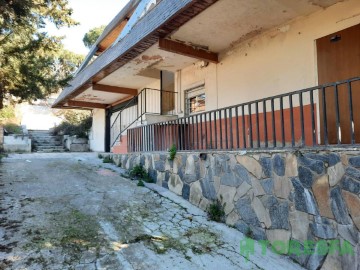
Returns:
(80,232)
(161,244)
(200,240)
(74,232)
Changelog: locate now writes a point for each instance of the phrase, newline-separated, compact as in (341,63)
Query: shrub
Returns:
(138,172)
(108,159)
(74,128)
(216,211)
(13,128)
(172,152)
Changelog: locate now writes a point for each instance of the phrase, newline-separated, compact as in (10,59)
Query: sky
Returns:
(90,14)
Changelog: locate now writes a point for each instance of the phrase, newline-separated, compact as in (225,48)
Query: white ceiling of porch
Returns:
(229,22)
(137,74)
(220,27)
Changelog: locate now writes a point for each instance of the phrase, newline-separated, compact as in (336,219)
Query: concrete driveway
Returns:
(71,211)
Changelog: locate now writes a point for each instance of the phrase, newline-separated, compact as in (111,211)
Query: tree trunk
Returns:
(1,96)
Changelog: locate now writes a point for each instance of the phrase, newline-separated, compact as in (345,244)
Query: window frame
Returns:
(191,93)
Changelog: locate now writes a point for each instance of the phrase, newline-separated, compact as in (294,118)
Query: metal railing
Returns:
(148,101)
(319,116)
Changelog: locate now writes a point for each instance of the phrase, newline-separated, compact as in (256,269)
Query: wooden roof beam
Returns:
(115,89)
(83,104)
(120,101)
(186,50)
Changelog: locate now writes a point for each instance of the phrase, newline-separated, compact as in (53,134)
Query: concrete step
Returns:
(50,150)
(40,134)
(49,146)
(44,136)
(47,143)
(46,140)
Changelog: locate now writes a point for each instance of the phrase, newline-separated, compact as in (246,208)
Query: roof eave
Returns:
(143,35)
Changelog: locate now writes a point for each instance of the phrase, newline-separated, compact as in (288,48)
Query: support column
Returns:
(1,137)
(107,130)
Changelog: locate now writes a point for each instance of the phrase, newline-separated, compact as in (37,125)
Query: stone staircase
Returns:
(44,141)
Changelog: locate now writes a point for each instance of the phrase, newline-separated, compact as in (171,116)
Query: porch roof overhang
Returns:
(158,23)
(175,33)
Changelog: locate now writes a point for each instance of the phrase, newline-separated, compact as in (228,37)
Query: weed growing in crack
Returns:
(140,183)
(216,211)
(249,233)
(172,152)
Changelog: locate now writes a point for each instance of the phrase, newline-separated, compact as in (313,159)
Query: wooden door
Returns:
(338,58)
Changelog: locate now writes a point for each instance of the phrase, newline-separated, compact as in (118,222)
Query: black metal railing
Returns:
(324,115)
(148,101)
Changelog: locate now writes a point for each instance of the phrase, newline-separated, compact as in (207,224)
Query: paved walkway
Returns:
(70,211)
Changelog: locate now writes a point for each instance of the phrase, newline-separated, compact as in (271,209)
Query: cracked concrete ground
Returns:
(71,211)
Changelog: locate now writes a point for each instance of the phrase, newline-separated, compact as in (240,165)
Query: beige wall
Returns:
(154,85)
(278,61)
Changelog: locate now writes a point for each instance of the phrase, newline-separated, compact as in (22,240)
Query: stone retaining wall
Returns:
(275,196)
(74,144)
(17,143)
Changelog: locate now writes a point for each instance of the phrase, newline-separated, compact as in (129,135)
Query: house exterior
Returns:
(238,76)
(225,53)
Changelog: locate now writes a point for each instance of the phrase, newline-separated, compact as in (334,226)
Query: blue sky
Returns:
(90,14)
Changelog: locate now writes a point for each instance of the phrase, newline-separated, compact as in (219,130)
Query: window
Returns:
(195,100)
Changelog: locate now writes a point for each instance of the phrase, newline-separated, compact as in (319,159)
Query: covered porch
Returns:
(243,60)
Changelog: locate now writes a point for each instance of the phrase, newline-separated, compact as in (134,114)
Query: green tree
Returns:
(33,64)
(91,36)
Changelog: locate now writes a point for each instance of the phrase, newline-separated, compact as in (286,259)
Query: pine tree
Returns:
(33,64)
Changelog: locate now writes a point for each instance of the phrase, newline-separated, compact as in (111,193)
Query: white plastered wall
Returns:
(278,61)
(97,134)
